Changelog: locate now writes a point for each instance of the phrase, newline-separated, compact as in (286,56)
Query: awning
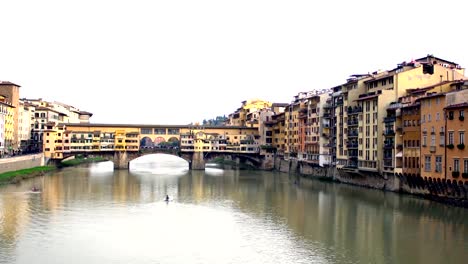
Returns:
(399,154)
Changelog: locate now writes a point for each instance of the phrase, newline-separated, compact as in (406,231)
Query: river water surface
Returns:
(97,215)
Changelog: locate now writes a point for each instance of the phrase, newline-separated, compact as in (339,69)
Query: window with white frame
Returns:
(461,137)
(427,163)
(438,163)
(456,165)
(450,137)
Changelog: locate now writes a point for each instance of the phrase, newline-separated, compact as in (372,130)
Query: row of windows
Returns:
(438,164)
(411,162)
(160,131)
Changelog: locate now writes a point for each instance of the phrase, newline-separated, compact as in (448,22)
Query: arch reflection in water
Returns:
(213,170)
(159,164)
(159,174)
(105,167)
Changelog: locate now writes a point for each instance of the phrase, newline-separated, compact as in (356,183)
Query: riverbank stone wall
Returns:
(21,162)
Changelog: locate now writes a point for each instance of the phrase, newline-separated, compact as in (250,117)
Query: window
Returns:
(427,163)
(450,137)
(442,139)
(450,115)
(433,140)
(461,114)
(465,166)
(437,116)
(462,137)
(456,165)
(429,117)
(424,143)
(438,163)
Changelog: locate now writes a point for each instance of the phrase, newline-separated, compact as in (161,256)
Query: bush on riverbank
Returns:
(233,164)
(15,176)
(80,160)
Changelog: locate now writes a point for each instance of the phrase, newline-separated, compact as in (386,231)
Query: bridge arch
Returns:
(159,140)
(133,158)
(146,142)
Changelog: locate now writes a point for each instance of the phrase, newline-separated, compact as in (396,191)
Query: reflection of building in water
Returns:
(14,217)
(125,188)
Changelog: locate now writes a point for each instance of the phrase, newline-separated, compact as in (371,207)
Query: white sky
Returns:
(176,62)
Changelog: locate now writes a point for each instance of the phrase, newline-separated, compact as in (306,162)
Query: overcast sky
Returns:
(176,62)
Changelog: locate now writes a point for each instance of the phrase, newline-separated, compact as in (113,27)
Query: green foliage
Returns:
(81,160)
(7,176)
(217,121)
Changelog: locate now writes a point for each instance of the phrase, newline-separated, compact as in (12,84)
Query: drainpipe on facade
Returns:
(445,144)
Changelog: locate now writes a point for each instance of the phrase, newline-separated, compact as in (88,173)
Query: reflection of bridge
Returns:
(123,143)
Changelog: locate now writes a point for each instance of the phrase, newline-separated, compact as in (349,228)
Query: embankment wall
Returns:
(446,191)
(21,162)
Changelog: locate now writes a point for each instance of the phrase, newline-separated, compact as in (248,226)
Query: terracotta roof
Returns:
(85,113)
(461,105)
(8,83)
(367,97)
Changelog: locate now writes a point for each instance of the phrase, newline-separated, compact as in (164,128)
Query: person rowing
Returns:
(167,198)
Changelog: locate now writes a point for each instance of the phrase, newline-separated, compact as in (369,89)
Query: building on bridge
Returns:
(65,140)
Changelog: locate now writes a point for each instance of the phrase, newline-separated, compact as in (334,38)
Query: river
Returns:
(97,215)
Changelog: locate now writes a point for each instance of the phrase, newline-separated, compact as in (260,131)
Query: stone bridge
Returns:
(196,160)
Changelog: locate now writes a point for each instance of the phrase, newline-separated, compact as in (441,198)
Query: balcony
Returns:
(388,146)
(389,132)
(352,134)
(389,119)
(354,110)
(352,145)
(353,122)
(432,149)
(388,163)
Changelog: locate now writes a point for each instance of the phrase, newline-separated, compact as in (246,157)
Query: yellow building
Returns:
(7,127)
(249,113)
(10,93)
(221,139)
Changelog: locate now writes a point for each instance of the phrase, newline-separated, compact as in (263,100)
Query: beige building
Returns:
(25,120)
(249,113)
(379,135)
(456,126)
(49,114)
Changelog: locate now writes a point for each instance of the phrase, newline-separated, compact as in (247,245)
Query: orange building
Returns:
(433,135)
(411,139)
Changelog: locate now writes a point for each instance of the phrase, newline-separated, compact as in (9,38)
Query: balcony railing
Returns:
(389,132)
(354,110)
(389,119)
(353,122)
